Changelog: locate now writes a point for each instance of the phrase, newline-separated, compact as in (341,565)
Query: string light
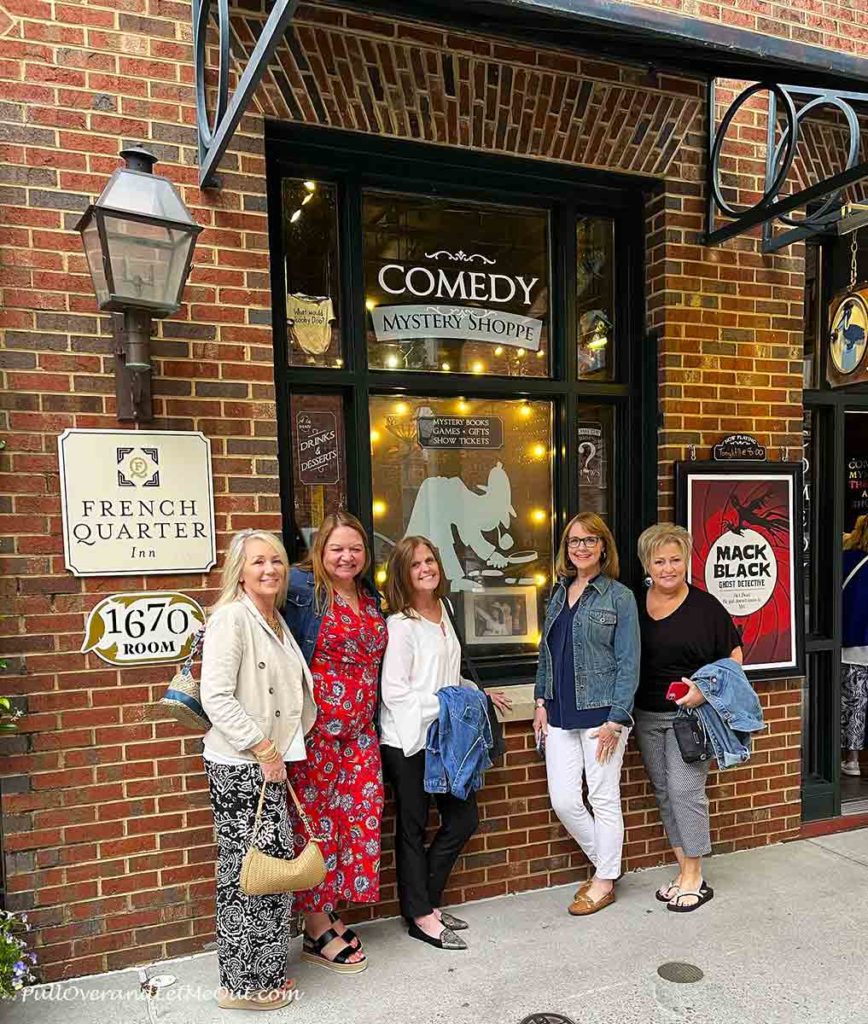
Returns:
(499,350)
(445,366)
(540,579)
(379,508)
(295,216)
(538,515)
(310,186)
(391,361)
(401,408)
(375,435)
(520,352)
(369,304)
(524,410)
(477,367)
(307,199)
(540,353)
(381,576)
(463,406)
(539,450)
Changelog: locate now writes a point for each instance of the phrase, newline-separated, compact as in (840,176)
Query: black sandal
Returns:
(313,953)
(349,935)
(703,894)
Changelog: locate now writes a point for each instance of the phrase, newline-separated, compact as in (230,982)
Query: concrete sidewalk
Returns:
(784,940)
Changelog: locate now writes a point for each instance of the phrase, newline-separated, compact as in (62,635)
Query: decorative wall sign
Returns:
(317,450)
(136,502)
(745,521)
(460,431)
(739,448)
(848,338)
(143,629)
(592,455)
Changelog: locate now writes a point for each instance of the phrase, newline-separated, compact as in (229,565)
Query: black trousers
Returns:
(422,874)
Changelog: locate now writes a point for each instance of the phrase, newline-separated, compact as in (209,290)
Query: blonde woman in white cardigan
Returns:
(423,655)
(258,693)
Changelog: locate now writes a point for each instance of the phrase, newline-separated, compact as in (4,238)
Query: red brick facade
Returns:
(106,820)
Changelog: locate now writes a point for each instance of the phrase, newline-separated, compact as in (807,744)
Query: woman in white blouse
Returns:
(257,691)
(423,655)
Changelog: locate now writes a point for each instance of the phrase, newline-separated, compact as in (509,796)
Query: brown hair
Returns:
(609,563)
(324,591)
(398,590)
(857,538)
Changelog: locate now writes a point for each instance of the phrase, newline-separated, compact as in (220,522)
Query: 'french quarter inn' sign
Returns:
(136,502)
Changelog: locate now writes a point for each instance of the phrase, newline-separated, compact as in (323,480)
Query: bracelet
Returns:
(268,754)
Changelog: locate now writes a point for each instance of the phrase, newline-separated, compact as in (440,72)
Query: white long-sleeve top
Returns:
(421,658)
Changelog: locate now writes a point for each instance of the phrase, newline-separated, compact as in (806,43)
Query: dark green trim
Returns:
(356,162)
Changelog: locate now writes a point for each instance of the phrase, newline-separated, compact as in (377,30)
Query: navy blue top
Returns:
(561,709)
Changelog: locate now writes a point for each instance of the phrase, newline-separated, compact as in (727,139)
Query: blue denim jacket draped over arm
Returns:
(731,711)
(456,750)
(606,647)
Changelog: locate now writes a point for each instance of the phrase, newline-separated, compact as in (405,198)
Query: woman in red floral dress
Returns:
(335,617)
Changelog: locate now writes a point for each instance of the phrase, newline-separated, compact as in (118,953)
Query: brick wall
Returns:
(107,826)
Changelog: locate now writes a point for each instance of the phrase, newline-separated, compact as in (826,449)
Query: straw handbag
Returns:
(264,875)
(181,699)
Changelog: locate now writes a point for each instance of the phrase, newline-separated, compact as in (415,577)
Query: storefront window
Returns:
(475,477)
(594,448)
(456,286)
(319,474)
(311,245)
(595,297)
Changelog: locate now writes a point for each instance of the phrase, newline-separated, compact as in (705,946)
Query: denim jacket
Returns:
(731,711)
(605,647)
(456,751)
(302,615)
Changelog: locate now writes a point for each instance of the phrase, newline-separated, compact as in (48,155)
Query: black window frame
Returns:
(356,162)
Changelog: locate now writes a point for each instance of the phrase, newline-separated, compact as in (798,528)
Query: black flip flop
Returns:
(703,894)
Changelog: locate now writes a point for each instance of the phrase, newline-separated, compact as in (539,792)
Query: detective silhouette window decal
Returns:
(475,476)
(456,286)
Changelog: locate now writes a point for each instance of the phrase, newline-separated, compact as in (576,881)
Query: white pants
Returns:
(571,753)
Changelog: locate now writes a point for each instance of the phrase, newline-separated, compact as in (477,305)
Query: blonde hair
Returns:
(323,589)
(399,587)
(609,562)
(658,536)
(857,538)
(233,566)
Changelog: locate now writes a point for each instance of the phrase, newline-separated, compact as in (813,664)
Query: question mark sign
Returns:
(591,449)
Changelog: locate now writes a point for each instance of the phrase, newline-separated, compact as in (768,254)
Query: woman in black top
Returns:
(683,629)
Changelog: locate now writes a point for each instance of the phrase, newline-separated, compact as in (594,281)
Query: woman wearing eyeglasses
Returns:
(587,675)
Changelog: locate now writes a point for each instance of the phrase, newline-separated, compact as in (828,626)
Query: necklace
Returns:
(274,624)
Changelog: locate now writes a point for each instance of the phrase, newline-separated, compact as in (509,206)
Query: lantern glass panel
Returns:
(147,261)
(144,193)
(93,252)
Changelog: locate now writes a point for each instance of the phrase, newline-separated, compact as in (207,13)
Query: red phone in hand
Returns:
(677,690)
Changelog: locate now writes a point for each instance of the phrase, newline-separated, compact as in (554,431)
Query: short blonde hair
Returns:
(324,591)
(609,563)
(658,536)
(233,567)
(857,538)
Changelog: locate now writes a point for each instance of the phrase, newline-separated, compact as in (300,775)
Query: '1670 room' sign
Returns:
(136,502)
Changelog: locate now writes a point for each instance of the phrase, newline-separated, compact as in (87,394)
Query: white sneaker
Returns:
(851,768)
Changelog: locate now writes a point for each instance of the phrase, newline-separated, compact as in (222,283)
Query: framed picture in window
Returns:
(501,615)
(746,523)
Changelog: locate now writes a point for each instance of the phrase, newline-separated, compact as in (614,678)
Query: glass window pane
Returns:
(595,297)
(595,449)
(310,240)
(456,286)
(475,477)
(319,462)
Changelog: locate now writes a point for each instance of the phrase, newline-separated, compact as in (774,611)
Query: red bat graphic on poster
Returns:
(742,554)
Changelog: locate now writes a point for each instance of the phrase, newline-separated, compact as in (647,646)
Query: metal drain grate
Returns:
(680,973)
(546,1018)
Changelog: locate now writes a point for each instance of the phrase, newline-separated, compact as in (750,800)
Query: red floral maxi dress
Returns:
(340,784)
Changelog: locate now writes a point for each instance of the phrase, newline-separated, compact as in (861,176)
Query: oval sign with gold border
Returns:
(848,338)
(143,629)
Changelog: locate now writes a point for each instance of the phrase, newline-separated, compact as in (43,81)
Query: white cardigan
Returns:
(420,659)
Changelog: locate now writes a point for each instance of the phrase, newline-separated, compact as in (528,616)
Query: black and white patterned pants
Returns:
(854,705)
(252,931)
(678,787)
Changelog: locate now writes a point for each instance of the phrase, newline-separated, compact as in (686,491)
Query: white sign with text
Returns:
(143,629)
(136,502)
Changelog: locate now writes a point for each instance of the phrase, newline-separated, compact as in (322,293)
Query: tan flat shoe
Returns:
(583,888)
(583,905)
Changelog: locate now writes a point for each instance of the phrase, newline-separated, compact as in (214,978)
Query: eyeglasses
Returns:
(574,543)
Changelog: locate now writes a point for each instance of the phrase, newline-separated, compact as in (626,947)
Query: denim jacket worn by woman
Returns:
(731,711)
(605,647)
(456,750)
(302,615)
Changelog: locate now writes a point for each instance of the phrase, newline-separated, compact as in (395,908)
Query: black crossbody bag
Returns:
(691,737)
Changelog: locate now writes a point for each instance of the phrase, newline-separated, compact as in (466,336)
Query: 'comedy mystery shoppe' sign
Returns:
(742,523)
(136,502)
(143,629)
